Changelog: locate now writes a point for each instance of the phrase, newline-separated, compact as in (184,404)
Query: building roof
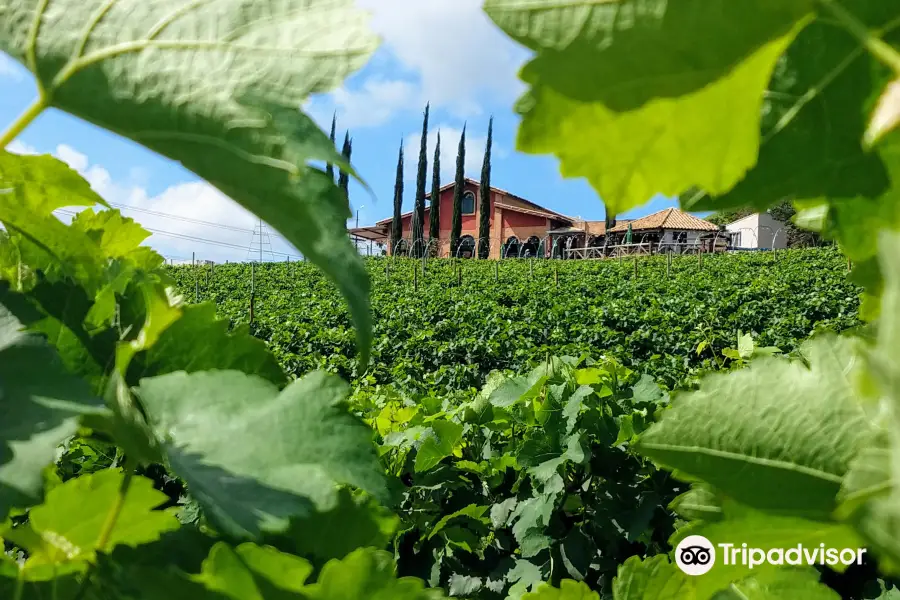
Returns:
(669,218)
(536,209)
(374,234)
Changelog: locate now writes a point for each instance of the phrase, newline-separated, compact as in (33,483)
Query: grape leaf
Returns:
(367,574)
(253,456)
(70,522)
(217,87)
(568,590)
(813,148)
(40,402)
(437,444)
(792,430)
(656,578)
(251,572)
(198,341)
(44,182)
(634,76)
(871,494)
(361,520)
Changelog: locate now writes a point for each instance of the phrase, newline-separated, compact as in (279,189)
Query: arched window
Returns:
(468,203)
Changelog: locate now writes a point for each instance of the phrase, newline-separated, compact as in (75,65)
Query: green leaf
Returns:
(701,502)
(367,574)
(871,494)
(816,118)
(472,512)
(792,430)
(886,117)
(251,572)
(70,524)
(568,590)
(650,80)
(361,521)
(766,532)
(40,402)
(215,86)
(437,444)
(44,182)
(253,456)
(198,341)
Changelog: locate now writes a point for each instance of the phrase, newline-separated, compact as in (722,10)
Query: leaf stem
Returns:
(873,43)
(111,518)
(24,120)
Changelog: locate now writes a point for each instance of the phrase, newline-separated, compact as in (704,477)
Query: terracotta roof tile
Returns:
(670,218)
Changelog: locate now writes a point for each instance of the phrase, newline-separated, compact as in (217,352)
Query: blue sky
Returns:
(467,72)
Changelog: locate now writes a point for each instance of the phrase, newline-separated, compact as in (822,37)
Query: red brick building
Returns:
(518,227)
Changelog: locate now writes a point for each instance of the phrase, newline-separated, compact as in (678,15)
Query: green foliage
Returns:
(602,77)
(418,217)
(484,194)
(135,69)
(434,213)
(458,189)
(397,221)
(441,340)
(561,477)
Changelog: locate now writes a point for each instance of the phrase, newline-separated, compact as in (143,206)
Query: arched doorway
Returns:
(466,248)
(511,248)
(531,247)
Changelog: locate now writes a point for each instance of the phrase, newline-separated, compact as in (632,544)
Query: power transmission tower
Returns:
(260,244)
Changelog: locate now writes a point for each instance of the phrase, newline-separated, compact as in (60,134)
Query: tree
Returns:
(397,222)
(418,219)
(434,225)
(343,177)
(724,217)
(456,222)
(484,222)
(329,168)
(796,238)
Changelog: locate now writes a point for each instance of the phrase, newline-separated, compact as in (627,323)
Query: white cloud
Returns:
(457,57)
(374,103)
(10,69)
(188,202)
(449,147)
(72,157)
(17,147)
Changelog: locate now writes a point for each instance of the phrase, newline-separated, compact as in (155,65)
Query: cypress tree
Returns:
(344,178)
(484,222)
(418,229)
(397,222)
(329,168)
(434,224)
(456,223)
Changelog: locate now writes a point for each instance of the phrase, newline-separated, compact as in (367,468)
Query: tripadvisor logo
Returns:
(696,555)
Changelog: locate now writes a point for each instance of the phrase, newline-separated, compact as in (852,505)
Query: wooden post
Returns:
(849,265)
(668,265)
(415,277)
(497,271)
(252,289)
(556,273)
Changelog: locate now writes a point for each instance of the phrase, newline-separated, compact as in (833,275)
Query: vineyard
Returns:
(707,428)
(433,334)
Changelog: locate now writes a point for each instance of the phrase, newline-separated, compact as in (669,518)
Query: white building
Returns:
(757,231)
